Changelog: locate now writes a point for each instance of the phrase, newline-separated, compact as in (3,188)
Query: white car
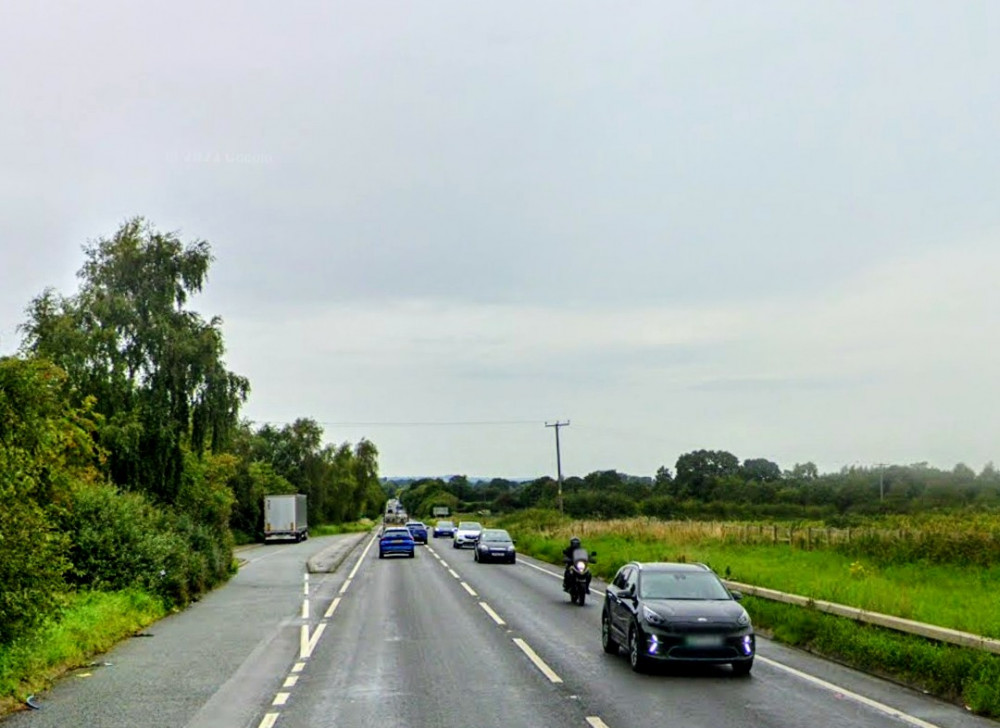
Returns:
(467,534)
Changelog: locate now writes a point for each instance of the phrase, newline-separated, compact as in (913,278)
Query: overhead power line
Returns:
(453,423)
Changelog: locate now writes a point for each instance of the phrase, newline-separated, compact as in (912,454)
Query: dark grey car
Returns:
(495,544)
(665,612)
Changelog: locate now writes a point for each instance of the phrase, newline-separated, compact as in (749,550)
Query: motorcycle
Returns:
(576,580)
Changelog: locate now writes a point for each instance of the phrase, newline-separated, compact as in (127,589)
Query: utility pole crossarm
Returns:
(557,424)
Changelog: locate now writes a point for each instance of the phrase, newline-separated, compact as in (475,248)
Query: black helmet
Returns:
(574,543)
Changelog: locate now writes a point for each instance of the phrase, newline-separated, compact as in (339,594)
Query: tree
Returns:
(154,368)
(698,472)
(760,470)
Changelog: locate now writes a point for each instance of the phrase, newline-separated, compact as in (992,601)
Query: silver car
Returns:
(467,534)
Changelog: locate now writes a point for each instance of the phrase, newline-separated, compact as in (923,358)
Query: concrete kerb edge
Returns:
(312,563)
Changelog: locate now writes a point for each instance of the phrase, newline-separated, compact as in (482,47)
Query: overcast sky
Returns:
(771,228)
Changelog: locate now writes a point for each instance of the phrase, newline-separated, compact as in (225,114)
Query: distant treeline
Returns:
(123,460)
(715,484)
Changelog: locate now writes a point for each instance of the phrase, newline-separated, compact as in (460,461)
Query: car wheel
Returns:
(381,555)
(635,657)
(607,639)
(742,668)
(513,559)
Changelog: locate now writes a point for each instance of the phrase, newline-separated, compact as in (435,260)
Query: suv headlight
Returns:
(652,617)
(743,620)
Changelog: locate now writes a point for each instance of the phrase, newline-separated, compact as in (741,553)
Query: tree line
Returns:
(716,484)
(123,458)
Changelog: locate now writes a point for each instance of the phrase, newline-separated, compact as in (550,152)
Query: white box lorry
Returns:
(285,517)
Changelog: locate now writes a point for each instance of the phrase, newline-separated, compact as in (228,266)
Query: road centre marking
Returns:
(290,681)
(493,615)
(539,663)
(596,722)
(344,587)
(362,557)
(305,609)
(280,699)
(306,643)
(881,707)
(333,607)
(472,592)
(454,573)
(268,720)
(298,667)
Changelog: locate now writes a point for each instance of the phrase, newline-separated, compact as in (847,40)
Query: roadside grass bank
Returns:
(954,596)
(88,624)
(334,529)
(970,678)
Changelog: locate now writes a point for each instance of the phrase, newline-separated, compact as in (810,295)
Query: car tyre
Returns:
(742,669)
(607,639)
(635,657)
(413,554)
(513,559)
(381,555)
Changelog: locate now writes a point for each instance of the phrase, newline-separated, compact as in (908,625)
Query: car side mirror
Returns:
(630,592)
(737,595)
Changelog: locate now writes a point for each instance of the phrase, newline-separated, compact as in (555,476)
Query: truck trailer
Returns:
(285,517)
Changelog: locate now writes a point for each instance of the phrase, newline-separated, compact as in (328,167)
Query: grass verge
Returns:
(89,624)
(968,677)
(333,529)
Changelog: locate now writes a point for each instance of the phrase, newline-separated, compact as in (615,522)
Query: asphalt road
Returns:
(439,640)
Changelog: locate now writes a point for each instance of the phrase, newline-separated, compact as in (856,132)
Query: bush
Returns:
(119,540)
(32,563)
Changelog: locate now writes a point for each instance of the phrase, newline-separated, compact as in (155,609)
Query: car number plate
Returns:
(703,640)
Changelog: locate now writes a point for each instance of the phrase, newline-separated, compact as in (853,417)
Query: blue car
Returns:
(418,530)
(396,540)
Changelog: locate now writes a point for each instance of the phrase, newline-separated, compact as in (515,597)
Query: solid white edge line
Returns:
(881,707)
(493,615)
(472,592)
(554,575)
(268,720)
(596,722)
(539,663)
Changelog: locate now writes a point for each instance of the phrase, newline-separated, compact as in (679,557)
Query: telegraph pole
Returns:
(557,424)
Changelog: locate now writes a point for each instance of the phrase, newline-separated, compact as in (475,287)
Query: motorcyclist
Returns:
(568,552)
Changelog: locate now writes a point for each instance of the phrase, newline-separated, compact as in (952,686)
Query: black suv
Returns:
(665,612)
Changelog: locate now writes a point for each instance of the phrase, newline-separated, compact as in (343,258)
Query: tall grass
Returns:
(91,623)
